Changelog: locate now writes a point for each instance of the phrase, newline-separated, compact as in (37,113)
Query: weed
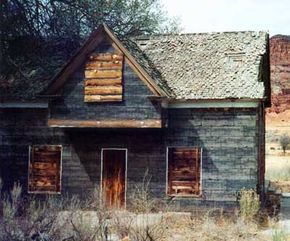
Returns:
(279,234)
(249,205)
(141,200)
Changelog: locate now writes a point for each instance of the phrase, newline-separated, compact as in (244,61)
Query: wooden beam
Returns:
(103,98)
(103,82)
(103,73)
(106,57)
(104,65)
(210,104)
(123,123)
(75,61)
(33,105)
(103,90)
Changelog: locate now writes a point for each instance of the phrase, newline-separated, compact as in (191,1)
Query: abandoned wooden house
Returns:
(188,108)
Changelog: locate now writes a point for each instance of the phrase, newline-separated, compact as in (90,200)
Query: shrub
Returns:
(249,205)
(52,218)
(284,142)
(141,200)
(27,219)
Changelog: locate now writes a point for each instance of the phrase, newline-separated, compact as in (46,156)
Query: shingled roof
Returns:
(209,65)
(222,65)
(147,64)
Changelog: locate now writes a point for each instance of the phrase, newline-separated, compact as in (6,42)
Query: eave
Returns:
(79,58)
(123,123)
(211,103)
(23,105)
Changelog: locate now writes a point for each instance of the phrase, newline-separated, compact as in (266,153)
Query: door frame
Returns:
(101,179)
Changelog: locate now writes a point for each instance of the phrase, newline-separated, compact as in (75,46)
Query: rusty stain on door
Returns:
(113,177)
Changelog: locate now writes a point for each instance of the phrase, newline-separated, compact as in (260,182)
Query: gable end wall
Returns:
(135,104)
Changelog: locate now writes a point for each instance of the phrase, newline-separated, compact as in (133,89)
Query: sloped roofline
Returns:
(81,55)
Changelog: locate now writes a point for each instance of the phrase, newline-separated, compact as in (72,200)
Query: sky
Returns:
(231,15)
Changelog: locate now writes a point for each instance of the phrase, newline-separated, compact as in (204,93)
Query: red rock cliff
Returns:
(280,73)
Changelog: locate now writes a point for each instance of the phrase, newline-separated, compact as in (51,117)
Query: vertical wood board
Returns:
(113,177)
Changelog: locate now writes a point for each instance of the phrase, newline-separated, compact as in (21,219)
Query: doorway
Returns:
(113,177)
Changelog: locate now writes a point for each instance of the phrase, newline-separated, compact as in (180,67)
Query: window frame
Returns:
(167,173)
(60,170)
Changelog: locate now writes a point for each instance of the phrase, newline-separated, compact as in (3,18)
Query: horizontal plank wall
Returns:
(229,142)
(228,138)
(103,77)
(128,99)
(81,152)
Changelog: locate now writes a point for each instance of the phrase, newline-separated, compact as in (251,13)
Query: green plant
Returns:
(279,235)
(249,205)
(284,142)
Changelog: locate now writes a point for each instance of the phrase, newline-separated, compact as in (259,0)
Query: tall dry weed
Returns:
(249,205)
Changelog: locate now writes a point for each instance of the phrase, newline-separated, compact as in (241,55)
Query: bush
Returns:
(53,219)
(249,205)
(284,142)
(141,200)
(27,219)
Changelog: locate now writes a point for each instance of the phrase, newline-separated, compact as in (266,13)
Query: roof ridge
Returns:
(144,37)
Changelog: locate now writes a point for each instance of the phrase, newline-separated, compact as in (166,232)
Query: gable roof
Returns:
(209,65)
(149,75)
(205,66)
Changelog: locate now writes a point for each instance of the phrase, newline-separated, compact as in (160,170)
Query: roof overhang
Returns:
(27,105)
(222,103)
(79,58)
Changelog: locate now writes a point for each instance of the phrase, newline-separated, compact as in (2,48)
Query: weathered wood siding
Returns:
(229,141)
(103,77)
(135,104)
(81,151)
(228,138)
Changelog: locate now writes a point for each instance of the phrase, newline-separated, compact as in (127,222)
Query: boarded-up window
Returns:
(103,78)
(44,169)
(184,167)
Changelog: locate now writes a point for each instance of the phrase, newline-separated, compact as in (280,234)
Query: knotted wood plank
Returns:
(105,82)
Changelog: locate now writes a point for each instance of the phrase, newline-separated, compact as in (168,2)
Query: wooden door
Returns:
(113,177)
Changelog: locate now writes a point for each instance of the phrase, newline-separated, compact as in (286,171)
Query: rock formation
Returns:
(280,73)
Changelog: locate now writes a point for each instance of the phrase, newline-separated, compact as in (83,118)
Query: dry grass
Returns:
(278,166)
(47,221)
(249,205)
(210,228)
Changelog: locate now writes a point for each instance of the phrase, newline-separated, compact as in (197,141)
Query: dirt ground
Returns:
(277,164)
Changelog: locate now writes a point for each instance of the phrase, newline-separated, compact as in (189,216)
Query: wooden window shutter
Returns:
(184,167)
(103,77)
(44,169)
